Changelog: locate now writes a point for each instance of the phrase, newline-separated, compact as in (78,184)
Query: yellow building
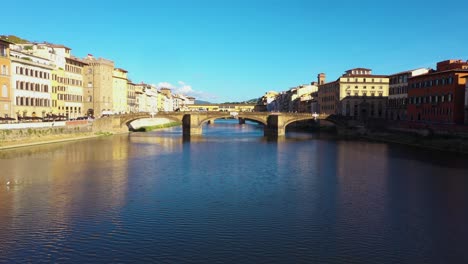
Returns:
(58,87)
(358,84)
(119,90)
(73,96)
(6,93)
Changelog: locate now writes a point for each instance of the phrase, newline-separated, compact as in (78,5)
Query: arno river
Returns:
(232,196)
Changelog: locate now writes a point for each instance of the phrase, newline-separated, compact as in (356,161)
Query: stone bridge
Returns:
(192,122)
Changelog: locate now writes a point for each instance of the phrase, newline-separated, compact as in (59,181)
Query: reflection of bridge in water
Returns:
(192,122)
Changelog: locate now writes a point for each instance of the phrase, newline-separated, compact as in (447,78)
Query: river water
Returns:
(232,196)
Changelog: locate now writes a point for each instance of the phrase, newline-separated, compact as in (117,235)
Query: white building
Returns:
(151,99)
(31,81)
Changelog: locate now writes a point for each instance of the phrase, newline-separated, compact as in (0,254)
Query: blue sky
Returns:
(235,50)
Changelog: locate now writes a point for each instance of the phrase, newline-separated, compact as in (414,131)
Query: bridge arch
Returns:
(255,117)
(298,120)
(213,118)
(256,120)
(128,121)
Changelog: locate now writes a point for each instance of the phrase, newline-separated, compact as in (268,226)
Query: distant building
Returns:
(168,103)
(439,96)
(357,86)
(190,100)
(140,98)
(131,98)
(398,93)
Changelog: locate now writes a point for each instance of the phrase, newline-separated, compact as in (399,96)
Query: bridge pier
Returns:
(191,125)
(275,126)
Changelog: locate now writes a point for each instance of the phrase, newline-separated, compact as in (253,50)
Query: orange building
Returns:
(5,81)
(438,97)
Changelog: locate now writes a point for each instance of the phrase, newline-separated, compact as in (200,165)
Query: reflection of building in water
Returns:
(166,144)
(61,181)
(362,184)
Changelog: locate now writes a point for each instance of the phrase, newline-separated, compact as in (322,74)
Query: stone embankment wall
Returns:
(18,134)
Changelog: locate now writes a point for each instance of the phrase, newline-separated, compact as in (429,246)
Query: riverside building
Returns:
(6,93)
(31,79)
(357,94)
(131,98)
(74,90)
(66,80)
(438,97)
(98,85)
(119,88)
(398,93)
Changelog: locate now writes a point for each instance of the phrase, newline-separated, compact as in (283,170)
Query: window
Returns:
(4,91)
(4,70)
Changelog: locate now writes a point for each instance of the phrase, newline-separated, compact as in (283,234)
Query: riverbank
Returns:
(48,139)
(441,143)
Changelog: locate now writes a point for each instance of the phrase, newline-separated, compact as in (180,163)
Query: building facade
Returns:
(358,84)
(119,90)
(31,79)
(98,85)
(6,93)
(131,98)
(466,100)
(439,96)
(398,93)
(74,90)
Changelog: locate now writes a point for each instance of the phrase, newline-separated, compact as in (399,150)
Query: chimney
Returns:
(321,78)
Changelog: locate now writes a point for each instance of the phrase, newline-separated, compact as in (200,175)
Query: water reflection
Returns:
(231,195)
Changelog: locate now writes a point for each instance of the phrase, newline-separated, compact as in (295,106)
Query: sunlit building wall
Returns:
(6,93)
(119,89)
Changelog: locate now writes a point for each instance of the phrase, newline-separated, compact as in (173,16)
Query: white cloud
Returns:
(186,89)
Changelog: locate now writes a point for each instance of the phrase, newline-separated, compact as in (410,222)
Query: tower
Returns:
(321,78)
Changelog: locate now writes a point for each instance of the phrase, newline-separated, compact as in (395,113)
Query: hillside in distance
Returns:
(14,39)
